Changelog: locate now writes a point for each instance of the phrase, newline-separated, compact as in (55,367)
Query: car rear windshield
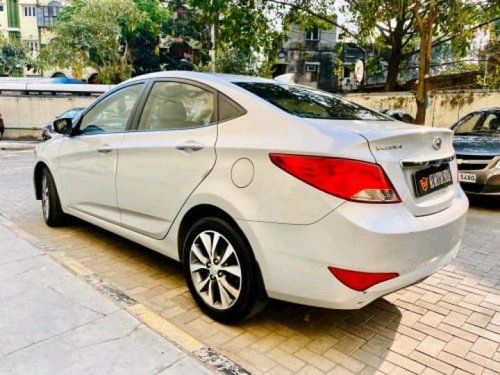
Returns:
(310,103)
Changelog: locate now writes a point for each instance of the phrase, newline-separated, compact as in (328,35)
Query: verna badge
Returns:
(436,144)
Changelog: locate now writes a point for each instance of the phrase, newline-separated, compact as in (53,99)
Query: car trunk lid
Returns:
(419,161)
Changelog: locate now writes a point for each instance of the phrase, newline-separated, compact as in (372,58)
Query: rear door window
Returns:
(176,105)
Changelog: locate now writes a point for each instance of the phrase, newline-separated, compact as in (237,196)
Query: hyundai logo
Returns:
(436,144)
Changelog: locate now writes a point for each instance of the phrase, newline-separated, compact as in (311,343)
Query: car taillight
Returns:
(360,281)
(348,179)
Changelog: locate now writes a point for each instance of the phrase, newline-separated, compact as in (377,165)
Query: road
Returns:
(449,323)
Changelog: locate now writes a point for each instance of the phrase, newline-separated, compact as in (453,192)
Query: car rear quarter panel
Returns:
(273,195)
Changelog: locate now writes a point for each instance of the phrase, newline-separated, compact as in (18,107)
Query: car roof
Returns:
(490,109)
(221,78)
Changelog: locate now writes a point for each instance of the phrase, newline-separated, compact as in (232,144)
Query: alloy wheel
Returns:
(45,198)
(215,270)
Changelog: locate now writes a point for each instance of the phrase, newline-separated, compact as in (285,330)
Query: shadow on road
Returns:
(348,338)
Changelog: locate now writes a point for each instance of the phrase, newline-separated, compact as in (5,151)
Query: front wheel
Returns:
(53,214)
(221,271)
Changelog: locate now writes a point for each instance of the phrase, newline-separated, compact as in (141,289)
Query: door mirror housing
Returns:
(63,125)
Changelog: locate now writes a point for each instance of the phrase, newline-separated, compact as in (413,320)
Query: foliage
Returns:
(433,19)
(87,33)
(191,28)
(490,80)
(245,41)
(309,13)
(143,40)
(491,59)
(14,56)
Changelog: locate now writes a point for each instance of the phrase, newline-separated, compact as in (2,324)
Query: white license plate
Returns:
(466,177)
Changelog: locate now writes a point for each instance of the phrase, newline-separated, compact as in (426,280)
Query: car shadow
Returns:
(479,254)
(484,202)
(354,339)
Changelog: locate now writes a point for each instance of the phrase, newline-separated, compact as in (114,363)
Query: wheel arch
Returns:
(197,212)
(204,210)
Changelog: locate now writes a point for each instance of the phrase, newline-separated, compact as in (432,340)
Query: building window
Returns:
(29,11)
(312,34)
(46,15)
(312,70)
(33,45)
(1,7)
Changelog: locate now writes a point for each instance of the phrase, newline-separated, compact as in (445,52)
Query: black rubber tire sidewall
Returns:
(56,217)
(249,297)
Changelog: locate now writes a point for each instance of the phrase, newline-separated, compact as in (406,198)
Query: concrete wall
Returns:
(24,116)
(444,107)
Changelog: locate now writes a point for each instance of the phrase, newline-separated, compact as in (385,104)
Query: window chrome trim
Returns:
(425,163)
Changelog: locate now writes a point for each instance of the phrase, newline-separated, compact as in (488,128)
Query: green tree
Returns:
(244,38)
(14,56)
(410,27)
(448,21)
(87,33)
(191,28)
(392,24)
(142,41)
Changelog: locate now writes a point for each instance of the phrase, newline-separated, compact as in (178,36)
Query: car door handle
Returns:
(105,149)
(190,147)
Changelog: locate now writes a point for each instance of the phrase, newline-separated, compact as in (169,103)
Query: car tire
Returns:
(221,272)
(53,214)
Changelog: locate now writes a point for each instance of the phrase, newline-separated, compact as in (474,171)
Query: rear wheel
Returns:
(53,214)
(221,271)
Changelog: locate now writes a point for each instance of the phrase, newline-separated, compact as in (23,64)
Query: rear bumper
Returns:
(294,259)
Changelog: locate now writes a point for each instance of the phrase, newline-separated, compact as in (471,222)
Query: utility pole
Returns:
(214,35)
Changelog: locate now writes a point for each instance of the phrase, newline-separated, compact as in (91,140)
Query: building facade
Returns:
(309,54)
(28,21)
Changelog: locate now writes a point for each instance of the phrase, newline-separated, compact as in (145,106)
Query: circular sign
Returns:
(359,70)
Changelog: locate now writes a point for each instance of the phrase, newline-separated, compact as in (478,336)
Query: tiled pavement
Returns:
(450,323)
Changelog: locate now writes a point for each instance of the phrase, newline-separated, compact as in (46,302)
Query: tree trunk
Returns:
(424,59)
(391,82)
(421,93)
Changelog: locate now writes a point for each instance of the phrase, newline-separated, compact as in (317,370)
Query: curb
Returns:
(17,146)
(212,359)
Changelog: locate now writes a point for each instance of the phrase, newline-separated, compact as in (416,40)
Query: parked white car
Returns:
(261,189)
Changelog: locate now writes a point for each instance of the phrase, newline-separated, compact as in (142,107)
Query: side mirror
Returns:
(62,125)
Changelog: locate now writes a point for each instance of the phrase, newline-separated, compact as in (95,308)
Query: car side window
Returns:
(176,105)
(469,124)
(491,123)
(112,114)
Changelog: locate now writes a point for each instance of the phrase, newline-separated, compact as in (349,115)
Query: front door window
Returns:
(113,113)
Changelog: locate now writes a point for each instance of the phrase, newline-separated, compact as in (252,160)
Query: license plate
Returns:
(431,179)
(466,177)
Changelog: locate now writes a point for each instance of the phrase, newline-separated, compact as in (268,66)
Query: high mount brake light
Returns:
(348,179)
(361,281)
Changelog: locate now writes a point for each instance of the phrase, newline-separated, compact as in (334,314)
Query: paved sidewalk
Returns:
(52,322)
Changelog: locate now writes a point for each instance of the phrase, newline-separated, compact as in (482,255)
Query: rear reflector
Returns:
(348,179)
(360,281)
